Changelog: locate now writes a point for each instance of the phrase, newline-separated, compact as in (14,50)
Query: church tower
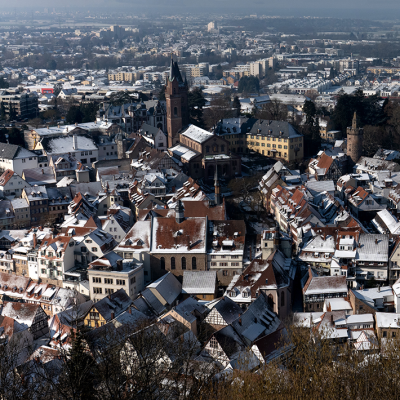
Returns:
(354,141)
(177,104)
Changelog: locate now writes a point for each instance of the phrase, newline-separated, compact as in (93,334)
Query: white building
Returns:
(11,184)
(16,158)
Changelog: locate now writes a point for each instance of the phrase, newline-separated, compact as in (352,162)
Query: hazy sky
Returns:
(335,8)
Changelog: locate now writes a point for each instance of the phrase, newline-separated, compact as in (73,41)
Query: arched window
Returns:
(162,259)
(194,263)
(175,111)
(183,262)
(172,262)
(282,299)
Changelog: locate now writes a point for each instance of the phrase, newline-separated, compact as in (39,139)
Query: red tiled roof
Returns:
(6,176)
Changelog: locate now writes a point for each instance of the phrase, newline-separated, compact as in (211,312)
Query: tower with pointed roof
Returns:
(177,104)
(354,141)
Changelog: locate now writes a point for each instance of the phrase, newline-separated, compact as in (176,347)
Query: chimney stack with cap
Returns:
(75,142)
(34,240)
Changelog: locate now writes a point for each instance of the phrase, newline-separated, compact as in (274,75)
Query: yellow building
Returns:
(108,308)
(275,139)
(94,319)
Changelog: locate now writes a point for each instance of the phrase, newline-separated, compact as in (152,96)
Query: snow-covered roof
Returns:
(197,134)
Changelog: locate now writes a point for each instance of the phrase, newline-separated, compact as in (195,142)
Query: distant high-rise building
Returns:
(212,26)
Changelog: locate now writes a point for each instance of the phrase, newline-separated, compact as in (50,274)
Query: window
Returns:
(94,249)
(162,261)
(393,334)
(96,279)
(175,111)
(133,280)
(225,272)
(94,315)
(97,290)
(183,262)
(172,262)
(109,291)
(384,334)
(194,263)
(108,281)
(121,282)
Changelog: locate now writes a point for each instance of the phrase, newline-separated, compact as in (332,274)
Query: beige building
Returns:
(110,273)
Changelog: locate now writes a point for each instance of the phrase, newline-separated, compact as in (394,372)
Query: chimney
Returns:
(179,212)
(112,315)
(379,289)
(332,319)
(240,321)
(75,142)
(119,265)
(217,188)
(130,310)
(34,240)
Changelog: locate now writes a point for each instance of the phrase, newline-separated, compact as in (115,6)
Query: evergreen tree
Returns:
(236,105)
(196,102)
(80,370)
(311,129)
(74,115)
(2,111)
(12,114)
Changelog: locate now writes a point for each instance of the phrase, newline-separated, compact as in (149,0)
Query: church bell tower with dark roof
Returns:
(177,104)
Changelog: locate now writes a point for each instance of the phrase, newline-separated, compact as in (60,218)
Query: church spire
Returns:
(171,70)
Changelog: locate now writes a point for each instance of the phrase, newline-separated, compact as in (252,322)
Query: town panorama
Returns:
(198,206)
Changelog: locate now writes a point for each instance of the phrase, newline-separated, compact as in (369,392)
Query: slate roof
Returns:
(168,287)
(228,309)
(116,302)
(373,248)
(152,301)
(149,130)
(12,151)
(199,282)
(40,176)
